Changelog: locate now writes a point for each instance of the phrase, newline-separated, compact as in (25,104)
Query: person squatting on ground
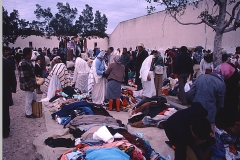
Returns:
(9,87)
(27,81)
(58,78)
(188,132)
(115,76)
(228,119)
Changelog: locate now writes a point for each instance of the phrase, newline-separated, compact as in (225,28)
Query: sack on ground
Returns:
(39,80)
(37,109)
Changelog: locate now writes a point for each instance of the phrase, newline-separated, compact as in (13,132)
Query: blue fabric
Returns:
(65,111)
(218,149)
(74,155)
(92,142)
(65,120)
(100,68)
(106,153)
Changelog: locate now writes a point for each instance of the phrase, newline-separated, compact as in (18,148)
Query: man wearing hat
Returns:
(41,57)
(142,54)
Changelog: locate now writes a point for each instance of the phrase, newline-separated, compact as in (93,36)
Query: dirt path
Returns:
(19,145)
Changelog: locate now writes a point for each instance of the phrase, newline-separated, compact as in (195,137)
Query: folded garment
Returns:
(92,142)
(59,142)
(106,153)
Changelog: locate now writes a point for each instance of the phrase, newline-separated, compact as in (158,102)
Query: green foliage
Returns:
(13,27)
(64,22)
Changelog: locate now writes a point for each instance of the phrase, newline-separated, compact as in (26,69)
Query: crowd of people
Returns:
(213,93)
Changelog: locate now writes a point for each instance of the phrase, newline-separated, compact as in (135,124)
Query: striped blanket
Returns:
(61,71)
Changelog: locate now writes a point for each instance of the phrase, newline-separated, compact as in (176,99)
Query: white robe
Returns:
(149,89)
(96,85)
(81,72)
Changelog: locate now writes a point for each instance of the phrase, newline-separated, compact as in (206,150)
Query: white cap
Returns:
(141,44)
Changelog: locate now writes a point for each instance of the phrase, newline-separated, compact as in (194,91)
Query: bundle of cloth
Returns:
(150,112)
(97,135)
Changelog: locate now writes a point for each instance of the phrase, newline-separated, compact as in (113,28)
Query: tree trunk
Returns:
(217,56)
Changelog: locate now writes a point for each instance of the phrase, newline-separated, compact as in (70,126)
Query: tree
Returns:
(218,20)
(100,24)
(12,27)
(87,15)
(61,24)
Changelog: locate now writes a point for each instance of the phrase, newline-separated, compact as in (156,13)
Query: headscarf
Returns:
(81,66)
(117,59)
(101,54)
(160,58)
(198,55)
(224,70)
(145,68)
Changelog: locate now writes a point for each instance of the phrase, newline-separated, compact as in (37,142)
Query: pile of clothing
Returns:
(97,135)
(150,112)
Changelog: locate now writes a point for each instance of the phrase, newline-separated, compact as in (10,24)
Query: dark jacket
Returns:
(209,90)
(26,75)
(43,63)
(140,58)
(177,128)
(125,59)
(38,70)
(184,64)
(9,83)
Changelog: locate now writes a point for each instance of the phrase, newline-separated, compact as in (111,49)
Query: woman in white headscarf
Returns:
(147,77)
(96,81)
(81,72)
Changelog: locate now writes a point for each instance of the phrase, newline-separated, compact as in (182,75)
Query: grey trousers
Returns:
(29,97)
(182,78)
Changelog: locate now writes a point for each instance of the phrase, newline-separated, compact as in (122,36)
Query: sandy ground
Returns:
(23,131)
(19,145)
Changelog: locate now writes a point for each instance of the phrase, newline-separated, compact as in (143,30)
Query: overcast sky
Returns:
(115,10)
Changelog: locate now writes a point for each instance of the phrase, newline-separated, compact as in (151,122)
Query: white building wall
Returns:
(37,41)
(160,31)
(53,42)
(102,43)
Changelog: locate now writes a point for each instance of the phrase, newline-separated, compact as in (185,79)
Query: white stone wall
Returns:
(37,41)
(53,42)
(160,31)
(102,43)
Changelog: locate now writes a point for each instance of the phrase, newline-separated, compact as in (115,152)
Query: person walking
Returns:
(115,78)
(9,87)
(125,60)
(27,81)
(184,68)
(141,56)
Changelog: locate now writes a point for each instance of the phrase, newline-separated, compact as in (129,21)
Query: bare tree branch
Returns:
(209,24)
(193,23)
(232,16)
